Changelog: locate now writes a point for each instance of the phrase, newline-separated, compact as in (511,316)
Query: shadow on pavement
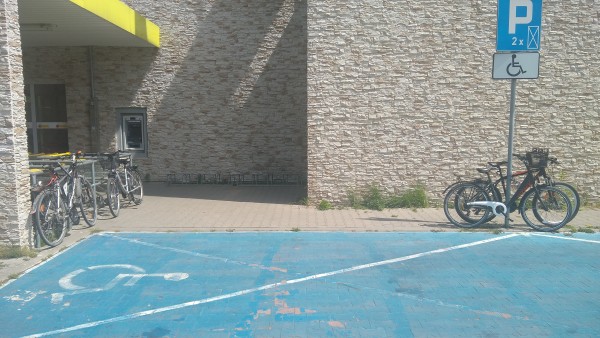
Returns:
(274,194)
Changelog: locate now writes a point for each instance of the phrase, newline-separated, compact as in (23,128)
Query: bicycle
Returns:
(469,204)
(55,207)
(123,179)
(542,175)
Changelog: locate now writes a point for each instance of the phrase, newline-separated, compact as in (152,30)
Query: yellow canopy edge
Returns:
(121,15)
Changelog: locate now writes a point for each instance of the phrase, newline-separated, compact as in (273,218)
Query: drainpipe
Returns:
(94,128)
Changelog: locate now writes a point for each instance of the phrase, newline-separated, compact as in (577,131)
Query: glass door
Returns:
(46,113)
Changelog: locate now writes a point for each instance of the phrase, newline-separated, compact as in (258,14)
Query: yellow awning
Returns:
(84,23)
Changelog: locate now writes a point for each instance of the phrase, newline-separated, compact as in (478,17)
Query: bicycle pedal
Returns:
(74,215)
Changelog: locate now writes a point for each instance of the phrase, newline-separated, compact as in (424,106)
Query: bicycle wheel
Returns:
(88,206)
(545,208)
(458,209)
(572,194)
(51,219)
(112,196)
(136,194)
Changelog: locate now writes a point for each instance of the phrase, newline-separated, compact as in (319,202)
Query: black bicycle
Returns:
(59,203)
(124,180)
(543,207)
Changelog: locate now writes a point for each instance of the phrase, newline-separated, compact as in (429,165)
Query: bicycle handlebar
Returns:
(109,155)
(523,158)
(101,154)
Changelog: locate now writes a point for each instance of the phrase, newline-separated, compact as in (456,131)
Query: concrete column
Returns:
(14,162)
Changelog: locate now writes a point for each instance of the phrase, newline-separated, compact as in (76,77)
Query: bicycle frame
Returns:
(123,186)
(68,185)
(528,183)
(63,187)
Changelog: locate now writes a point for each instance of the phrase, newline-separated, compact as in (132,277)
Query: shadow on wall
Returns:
(238,101)
(119,74)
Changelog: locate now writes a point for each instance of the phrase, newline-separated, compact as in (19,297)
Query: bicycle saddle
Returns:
(497,164)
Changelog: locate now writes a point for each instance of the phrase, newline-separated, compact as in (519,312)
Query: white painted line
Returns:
(192,253)
(156,246)
(52,255)
(568,238)
(267,287)
(399,259)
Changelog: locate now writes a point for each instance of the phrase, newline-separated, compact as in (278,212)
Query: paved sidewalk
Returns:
(225,208)
(274,208)
(256,208)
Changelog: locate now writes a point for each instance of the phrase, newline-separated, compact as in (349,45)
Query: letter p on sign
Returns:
(516,17)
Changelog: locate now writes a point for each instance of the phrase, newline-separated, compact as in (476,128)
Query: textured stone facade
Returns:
(225,92)
(14,175)
(400,92)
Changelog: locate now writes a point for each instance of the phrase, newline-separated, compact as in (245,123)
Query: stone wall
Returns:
(226,91)
(400,93)
(14,182)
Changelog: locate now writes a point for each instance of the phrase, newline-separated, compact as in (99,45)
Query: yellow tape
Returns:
(50,155)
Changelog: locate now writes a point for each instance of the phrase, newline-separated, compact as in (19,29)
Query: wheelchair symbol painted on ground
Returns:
(133,275)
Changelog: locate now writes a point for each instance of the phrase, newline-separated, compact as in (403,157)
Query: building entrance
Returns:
(46,113)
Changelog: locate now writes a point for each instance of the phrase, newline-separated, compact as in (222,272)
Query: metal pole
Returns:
(511,131)
(94,125)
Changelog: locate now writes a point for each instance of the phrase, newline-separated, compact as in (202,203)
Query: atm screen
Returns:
(133,133)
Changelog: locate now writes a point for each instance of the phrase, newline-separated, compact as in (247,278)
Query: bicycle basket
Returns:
(538,158)
(105,163)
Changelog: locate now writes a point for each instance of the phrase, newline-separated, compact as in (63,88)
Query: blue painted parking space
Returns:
(311,285)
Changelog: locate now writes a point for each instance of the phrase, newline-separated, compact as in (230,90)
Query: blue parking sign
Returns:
(519,25)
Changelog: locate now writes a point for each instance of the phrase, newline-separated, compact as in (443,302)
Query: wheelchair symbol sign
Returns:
(516,66)
(519,25)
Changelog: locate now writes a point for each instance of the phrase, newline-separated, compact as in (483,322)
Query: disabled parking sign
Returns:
(516,65)
(519,25)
